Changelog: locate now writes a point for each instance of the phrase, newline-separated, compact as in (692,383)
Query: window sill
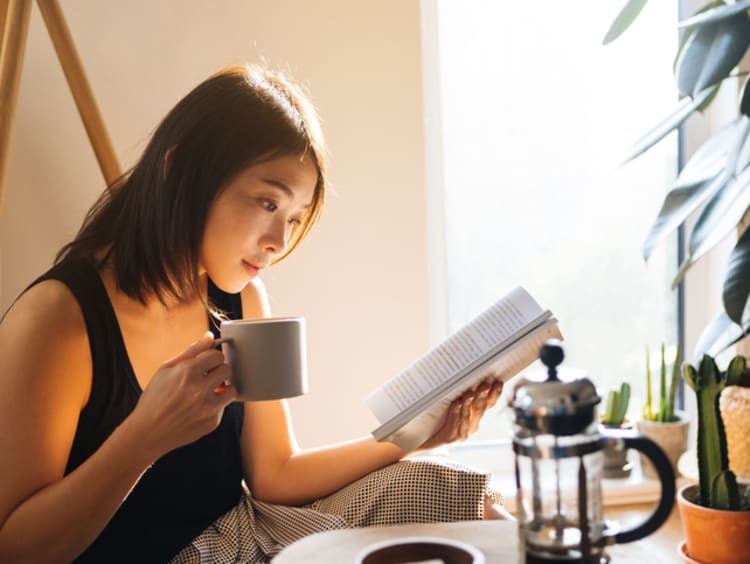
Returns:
(497,458)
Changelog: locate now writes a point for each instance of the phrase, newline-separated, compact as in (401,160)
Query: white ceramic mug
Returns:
(268,357)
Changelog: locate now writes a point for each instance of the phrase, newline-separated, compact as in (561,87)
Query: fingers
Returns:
(496,389)
(480,400)
(224,394)
(464,414)
(216,375)
(464,424)
(208,367)
(480,405)
(207,361)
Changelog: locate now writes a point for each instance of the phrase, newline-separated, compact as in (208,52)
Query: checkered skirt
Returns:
(414,490)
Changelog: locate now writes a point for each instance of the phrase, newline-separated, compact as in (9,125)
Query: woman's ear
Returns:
(167,161)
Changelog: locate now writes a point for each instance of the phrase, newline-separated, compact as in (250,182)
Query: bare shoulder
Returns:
(47,306)
(41,332)
(45,379)
(255,300)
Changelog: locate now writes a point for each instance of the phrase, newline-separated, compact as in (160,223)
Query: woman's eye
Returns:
(268,205)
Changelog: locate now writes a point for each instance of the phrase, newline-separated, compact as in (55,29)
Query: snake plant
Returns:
(665,411)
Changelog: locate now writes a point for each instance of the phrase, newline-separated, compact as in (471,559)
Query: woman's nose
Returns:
(277,237)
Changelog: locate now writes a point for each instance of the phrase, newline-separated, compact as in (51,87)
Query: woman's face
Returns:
(251,221)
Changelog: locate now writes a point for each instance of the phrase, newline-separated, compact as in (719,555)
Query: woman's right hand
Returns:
(185,399)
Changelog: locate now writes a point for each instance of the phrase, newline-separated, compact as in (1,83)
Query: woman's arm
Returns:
(277,471)
(45,381)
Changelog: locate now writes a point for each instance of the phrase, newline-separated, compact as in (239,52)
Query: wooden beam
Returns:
(81,90)
(14,35)
(3,22)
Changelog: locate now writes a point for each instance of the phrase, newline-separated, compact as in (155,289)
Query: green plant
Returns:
(665,412)
(617,405)
(716,179)
(718,484)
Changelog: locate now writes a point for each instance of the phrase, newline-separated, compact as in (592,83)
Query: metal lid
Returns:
(555,398)
(559,407)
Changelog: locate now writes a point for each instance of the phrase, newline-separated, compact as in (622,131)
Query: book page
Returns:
(411,433)
(473,343)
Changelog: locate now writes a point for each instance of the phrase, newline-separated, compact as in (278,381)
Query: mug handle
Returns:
(666,477)
(220,340)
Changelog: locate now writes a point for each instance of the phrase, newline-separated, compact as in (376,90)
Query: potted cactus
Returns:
(716,512)
(616,406)
(662,423)
(616,464)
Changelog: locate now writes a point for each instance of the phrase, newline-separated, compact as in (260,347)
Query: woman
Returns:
(112,453)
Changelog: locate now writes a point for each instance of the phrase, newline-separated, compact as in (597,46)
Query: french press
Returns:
(559,457)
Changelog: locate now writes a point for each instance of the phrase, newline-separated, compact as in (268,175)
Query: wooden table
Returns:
(498,540)
(660,547)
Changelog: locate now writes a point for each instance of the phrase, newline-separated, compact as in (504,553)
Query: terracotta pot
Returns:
(671,437)
(735,413)
(712,535)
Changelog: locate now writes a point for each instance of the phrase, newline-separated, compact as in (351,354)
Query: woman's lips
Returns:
(251,269)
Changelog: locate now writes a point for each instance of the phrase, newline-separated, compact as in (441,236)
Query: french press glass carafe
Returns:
(558,445)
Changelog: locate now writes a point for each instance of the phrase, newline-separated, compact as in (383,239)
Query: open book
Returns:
(496,345)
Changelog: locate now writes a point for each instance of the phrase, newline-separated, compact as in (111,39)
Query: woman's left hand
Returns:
(464,414)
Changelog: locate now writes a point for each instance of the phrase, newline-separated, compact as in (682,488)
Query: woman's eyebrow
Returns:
(284,188)
(280,185)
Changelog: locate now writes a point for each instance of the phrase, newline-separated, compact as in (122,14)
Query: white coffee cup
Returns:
(268,357)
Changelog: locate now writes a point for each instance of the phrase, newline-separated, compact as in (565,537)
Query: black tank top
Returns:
(185,490)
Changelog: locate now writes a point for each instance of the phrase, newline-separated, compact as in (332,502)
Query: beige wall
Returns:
(361,278)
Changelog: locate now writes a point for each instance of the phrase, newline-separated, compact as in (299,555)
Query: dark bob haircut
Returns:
(150,223)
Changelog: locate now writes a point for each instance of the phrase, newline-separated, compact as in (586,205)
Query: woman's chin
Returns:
(231,286)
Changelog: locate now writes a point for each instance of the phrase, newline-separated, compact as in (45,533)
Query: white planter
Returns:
(671,437)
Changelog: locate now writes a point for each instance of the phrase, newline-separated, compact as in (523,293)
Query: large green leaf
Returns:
(711,15)
(711,53)
(681,271)
(718,218)
(742,157)
(721,215)
(710,158)
(677,206)
(737,279)
(729,46)
(721,333)
(714,90)
(745,98)
(738,148)
(686,107)
(692,57)
(623,20)
(690,30)
(703,175)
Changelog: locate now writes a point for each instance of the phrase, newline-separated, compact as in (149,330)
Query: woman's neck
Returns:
(153,307)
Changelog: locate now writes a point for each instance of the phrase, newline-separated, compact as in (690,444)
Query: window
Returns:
(528,119)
